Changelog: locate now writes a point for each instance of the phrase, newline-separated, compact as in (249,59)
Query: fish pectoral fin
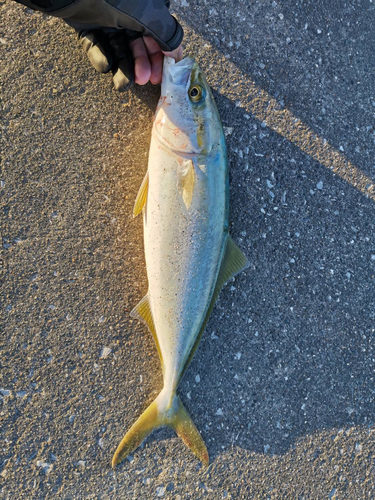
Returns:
(186,182)
(142,311)
(234,261)
(163,411)
(141,199)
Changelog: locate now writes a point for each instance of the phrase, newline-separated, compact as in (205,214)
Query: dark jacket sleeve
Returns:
(150,17)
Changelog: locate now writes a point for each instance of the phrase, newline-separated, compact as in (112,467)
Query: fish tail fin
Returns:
(146,423)
(184,427)
(163,412)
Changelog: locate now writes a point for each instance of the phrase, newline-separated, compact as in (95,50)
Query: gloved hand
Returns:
(127,36)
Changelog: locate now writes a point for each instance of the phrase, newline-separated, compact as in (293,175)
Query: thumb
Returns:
(176,54)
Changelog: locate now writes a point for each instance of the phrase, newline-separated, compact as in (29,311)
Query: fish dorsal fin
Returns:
(141,199)
(234,261)
(142,311)
(186,181)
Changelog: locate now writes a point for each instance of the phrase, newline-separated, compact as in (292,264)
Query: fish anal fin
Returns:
(234,261)
(142,311)
(141,199)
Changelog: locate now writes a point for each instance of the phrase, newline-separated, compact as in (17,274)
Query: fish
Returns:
(189,253)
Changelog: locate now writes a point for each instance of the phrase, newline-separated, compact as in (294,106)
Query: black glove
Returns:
(108,48)
(106,27)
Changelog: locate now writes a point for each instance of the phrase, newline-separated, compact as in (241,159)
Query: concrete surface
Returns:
(282,385)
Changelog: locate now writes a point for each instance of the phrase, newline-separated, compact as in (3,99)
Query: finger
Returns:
(177,54)
(142,67)
(156,59)
(96,50)
(121,78)
(123,66)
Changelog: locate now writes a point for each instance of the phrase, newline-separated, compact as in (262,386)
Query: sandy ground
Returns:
(282,385)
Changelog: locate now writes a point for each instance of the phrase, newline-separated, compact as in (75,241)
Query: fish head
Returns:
(186,119)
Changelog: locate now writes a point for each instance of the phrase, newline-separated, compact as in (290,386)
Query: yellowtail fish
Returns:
(189,253)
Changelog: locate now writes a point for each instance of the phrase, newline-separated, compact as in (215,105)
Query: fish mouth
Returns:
(178,73)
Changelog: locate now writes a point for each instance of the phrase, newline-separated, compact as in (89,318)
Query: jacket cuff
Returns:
(176,39)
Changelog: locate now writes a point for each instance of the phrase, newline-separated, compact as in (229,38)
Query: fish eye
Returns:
(196,93)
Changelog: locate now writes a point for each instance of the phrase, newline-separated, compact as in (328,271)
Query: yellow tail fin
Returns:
(158,414)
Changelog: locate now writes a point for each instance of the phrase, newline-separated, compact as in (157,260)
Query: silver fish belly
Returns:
(184,242)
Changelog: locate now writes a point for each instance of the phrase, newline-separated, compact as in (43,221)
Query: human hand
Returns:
(148,60)
(127,37)
(133,58)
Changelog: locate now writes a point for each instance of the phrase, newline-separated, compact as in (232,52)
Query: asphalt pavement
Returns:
(282,384)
